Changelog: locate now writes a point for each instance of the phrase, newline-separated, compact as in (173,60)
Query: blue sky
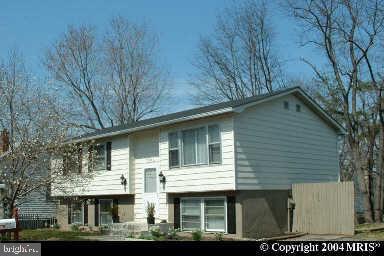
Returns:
(31,26)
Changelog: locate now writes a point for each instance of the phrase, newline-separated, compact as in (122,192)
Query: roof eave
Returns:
(154,125)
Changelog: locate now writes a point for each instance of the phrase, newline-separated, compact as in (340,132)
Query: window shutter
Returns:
(115,213)
(90,158)
(69,213)
(176,212)
(85,205)
(109,147)
(80,159)
(231,214)
(96,212)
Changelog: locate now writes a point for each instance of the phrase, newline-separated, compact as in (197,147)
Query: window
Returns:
(214,211)
(286,105)
(195,146)
(72,160)
(194,143)
(214,144)
(99,157)
(191,214)
(105,211)
(77,213)
(150,179)
(206,213)
(298,108)
(174,152)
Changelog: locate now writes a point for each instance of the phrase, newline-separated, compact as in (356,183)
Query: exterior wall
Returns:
(102,182)
(62,215)
(126,209)
(203,177)
(276,147)
(38,203)
(146,155)
(264,213)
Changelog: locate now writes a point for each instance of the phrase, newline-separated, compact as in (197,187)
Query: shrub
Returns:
(219,236)
(74,227)
(56,226)
(172,234)
(197,235)
(150,210)
(155,232)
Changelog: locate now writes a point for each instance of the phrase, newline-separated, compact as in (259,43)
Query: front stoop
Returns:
(125,229)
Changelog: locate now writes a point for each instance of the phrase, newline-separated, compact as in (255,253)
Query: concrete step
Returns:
(126,228)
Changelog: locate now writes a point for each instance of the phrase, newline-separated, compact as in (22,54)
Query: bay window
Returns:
(208,214)
(195,146)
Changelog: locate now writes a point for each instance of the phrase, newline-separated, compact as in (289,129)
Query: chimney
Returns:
(4,141)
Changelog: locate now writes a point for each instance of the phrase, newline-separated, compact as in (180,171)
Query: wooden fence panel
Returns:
(324,208)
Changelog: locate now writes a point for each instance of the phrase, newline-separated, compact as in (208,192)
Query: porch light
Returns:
(123,180)
(162,177)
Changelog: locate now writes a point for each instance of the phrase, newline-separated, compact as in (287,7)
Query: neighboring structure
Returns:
(227,167)
(37,203)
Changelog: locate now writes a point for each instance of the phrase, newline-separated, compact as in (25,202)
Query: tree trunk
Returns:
(379,179)
(363,181)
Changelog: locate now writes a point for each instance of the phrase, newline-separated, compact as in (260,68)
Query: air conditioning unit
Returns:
(7,224)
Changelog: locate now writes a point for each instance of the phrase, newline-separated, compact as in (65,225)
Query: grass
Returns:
(54,234)
(374,235)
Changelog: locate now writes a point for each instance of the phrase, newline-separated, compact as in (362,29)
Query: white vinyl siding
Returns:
(276,147)
(101,183)
(206,177)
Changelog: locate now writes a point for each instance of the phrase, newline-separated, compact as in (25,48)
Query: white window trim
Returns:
(180,144)
(202,213)
(111,201)
(156,180)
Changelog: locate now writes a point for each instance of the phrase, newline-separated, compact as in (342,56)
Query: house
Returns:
(226,167)
(38,203)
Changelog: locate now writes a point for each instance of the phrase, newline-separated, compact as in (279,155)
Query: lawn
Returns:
(371,231)
(54,234)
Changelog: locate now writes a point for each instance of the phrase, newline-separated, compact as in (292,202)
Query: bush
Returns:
(56,226)
(75,227)
(146,236)
(197,235)
(172,234)
(155,232)
(219,236)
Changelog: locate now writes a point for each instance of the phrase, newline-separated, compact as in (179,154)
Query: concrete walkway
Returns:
(322,238)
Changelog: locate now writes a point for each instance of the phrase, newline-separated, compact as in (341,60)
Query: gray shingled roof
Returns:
(181,114)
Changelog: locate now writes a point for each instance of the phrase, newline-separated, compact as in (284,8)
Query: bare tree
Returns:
(239,60)
(136,83)
(29,116)
(112,80)
(74,62)
(348,33)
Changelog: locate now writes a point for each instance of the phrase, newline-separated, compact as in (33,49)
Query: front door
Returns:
(150,189)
